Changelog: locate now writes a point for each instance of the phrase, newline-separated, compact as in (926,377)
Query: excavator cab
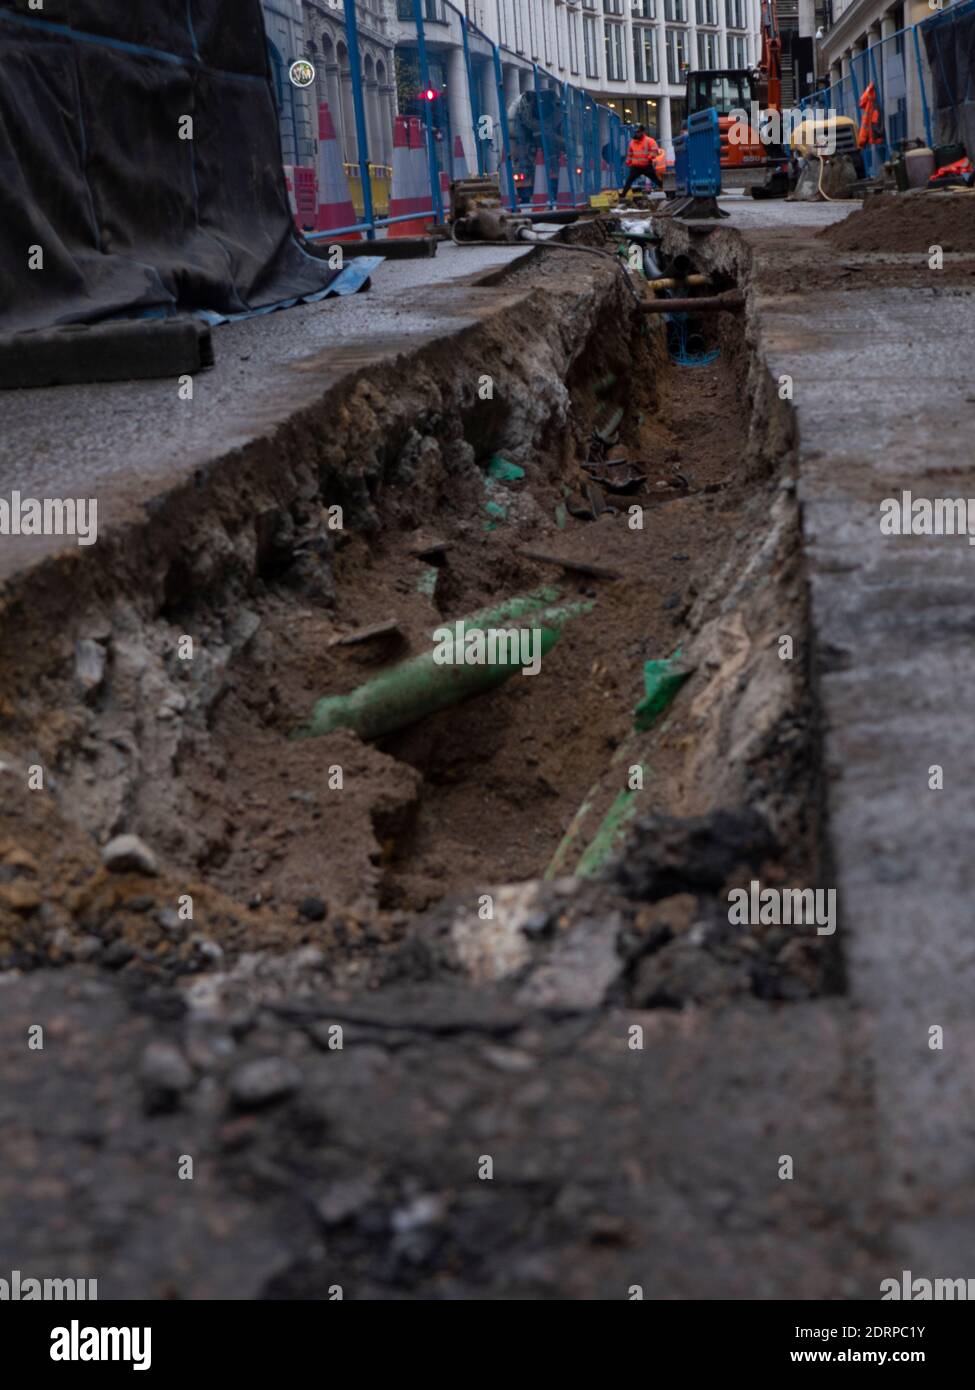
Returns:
(734,94)
(726,90)
(749,158)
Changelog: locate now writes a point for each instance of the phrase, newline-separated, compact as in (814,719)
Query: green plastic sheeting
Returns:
(504,472)
(421,686)
(661,682)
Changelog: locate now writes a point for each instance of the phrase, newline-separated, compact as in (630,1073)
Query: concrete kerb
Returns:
(892,665)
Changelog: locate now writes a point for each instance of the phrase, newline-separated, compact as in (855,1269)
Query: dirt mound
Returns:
(898,222)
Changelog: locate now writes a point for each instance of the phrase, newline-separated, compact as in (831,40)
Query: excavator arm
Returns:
(771,61)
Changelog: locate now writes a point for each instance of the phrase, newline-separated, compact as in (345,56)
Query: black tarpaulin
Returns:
(949,40)
(128,217)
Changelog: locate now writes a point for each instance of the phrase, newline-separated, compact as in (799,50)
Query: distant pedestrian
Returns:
(641,160)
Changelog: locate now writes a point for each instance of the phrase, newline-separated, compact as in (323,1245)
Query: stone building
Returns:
(285,24)
(315,29)
(328,49)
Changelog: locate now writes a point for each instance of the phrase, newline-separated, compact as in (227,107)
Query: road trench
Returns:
(557,453)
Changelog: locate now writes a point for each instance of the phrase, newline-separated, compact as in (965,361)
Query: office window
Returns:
(707,51)
(589,42)
(676,55)
(644,9)
(675,11)
(573,21)
(615,53)
(707,12)
(735,13)
(613,7)
(737,52)
(644,53)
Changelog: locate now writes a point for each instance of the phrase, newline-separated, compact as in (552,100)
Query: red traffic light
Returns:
(430,94)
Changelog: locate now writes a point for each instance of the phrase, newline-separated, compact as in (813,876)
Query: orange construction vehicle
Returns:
(747,100)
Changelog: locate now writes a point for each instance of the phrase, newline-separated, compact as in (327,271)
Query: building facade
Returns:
(284,21)
(315,29)
(849,54)
(631,55)
(328,49)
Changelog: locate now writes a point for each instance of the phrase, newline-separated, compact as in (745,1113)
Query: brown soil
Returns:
(908,222)
(482,792)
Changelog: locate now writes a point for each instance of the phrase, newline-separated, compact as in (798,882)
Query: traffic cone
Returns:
(564,196)
(403,197)
(334,203)
(461,170)
(540,194)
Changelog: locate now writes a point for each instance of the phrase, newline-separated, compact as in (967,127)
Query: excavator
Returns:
(763,165)
(748,160)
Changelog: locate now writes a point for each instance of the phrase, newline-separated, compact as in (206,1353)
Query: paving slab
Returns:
(121,442)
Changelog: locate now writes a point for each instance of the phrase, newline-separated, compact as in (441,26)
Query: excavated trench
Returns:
(553,442)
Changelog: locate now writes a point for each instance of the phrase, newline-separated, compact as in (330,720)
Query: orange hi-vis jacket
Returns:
(871,126)
(642,152)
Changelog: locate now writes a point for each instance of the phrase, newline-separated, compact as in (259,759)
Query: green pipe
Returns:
(558,865)
(422,686)
(610,834)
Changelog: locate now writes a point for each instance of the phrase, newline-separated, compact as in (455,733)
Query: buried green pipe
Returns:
(423,686)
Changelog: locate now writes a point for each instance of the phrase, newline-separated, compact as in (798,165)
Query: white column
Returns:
(663,117)
(490,106)
(461,113)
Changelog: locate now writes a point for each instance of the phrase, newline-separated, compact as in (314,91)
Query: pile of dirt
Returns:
(908,222)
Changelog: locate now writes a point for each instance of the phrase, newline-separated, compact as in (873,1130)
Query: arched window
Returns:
(285,94)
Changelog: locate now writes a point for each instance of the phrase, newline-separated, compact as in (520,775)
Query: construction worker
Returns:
(641,160)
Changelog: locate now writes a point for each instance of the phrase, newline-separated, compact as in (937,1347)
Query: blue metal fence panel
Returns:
(572,123)
(704,154)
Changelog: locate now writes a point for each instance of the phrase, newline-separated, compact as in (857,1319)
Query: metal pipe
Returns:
(436,196)
(474,98)
(731,303)
(359,108)
(544,137)
(694,281)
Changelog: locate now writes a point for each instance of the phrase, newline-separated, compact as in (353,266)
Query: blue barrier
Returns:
(704,154)
(682,180)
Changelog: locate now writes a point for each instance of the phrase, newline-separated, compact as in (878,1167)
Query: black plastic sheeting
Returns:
(949,39)
(130,218)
